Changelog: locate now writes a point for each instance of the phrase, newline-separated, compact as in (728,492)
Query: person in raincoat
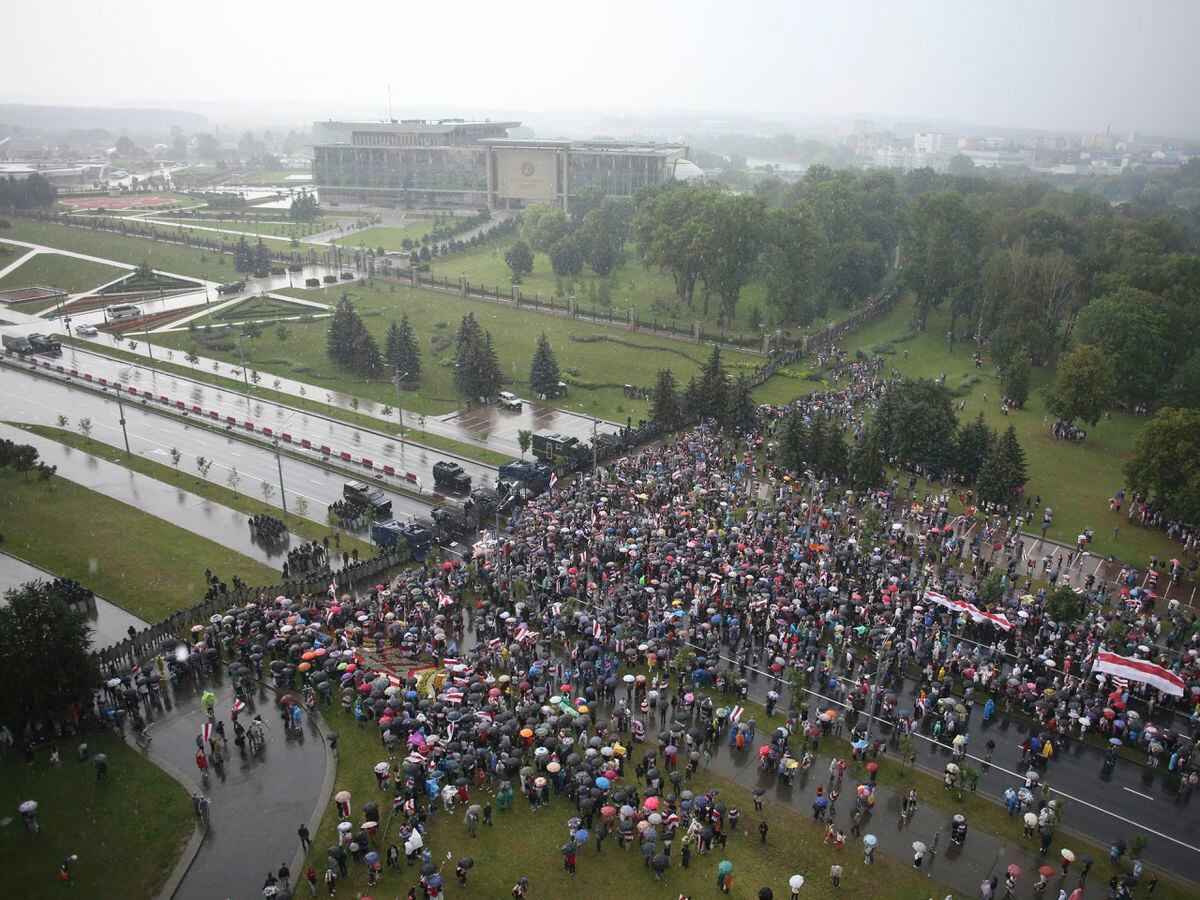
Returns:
(725,875)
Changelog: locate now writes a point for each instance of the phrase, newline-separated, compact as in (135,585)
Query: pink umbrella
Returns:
(651,803)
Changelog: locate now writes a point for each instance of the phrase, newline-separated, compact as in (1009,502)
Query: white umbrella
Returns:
(918,847)
(796,882)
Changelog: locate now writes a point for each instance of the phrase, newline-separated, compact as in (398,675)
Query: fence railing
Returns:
(150,640)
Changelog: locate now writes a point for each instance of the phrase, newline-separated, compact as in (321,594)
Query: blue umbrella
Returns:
(821,801)
(371,858)
(581,835)
(435,880)
(603,783)
(859,745)
(1116,742)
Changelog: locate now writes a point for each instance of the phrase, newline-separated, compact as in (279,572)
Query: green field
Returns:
(391,239)
(526,842)
(515,333)
(128,831)
(650,291)
(162,255)
(63,272)
(140,562)
(266,228)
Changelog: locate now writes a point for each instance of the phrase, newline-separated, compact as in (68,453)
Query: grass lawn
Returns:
(598,376)
(266,228)
(63,272)
(257,307)
(389,238)
(526,842)
(215,230)
(127,831)
(307,528)
(650,291)
(162,255)
(140,562)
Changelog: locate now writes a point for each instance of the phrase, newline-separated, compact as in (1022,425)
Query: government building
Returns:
(452,162)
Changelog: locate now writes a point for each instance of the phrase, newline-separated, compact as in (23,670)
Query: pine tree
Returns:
(832,455)
(243,257)
(410,351)
(261,257)
(972,444)
(867,460)
(367,359)
(692,405)
(341,334)
(543,373)
(793,442)
(391,347)
(469,342)
(664,401)
(491,376)
(714,387)
(740,410)
(1004,469)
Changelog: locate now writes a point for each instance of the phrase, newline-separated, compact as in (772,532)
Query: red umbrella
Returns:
(1046,870)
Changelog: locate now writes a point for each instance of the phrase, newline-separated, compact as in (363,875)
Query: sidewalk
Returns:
(256,805)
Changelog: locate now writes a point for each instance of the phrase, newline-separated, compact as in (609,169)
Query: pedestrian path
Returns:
(109,624)
(256,803)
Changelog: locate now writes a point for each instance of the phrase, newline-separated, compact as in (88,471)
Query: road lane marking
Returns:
(1139,793)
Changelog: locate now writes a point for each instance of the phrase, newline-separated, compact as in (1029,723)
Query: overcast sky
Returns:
(1055,64)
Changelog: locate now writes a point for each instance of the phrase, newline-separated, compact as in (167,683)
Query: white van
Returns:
(122,311)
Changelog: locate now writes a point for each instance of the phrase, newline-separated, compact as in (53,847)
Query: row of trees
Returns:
(251,257)
(594,234)
(33,192)
(715,396)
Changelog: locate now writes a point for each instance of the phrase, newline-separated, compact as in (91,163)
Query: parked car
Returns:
(86,330)
(509,401)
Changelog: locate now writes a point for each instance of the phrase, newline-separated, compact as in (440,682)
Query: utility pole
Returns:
(595,422)
(121,413)
(149,346)
(400,401)
(282,492)
(245,377)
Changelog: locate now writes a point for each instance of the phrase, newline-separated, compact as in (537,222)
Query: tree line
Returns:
(31,192)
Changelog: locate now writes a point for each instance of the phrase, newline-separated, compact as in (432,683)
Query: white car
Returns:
(509,401)
(86,330)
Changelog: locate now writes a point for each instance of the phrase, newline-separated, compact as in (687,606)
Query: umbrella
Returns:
(870,840)
(918,847)
(581,835)
(466,862)
(603,783)
(371,858)
(1068,855)
(1014,870)
(342,797)
(28,807)
(1030,819)
(1047,871)
(796,882)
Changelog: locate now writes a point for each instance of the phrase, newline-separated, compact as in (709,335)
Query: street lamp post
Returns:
(282,492)
(121,414)
(400,402)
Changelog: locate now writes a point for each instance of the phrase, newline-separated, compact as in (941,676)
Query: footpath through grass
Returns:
(63,272)
(139,562)
(165,256)
(127,831)
(526,842)
(187,481)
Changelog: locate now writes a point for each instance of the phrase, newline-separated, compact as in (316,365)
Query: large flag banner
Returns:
(1140,670)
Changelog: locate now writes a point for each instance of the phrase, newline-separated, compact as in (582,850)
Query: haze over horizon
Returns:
(1069,66)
